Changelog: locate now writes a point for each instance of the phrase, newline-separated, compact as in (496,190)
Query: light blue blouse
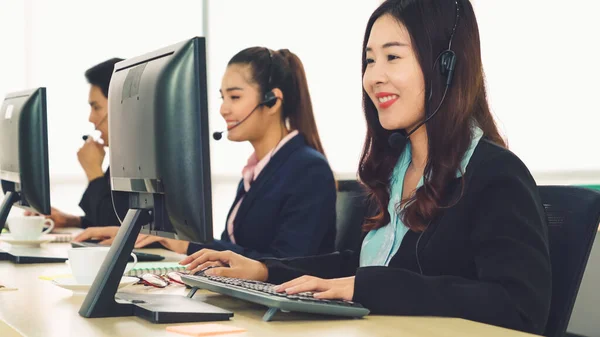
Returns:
(380,245)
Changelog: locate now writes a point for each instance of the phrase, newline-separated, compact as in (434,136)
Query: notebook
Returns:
(59,238)
(56,238)
(60,235)
(156,268)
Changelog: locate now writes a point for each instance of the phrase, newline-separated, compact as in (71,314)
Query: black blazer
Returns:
(289,210)
(485,259)
(96,203)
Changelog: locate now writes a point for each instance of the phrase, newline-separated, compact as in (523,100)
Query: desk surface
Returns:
(39,308)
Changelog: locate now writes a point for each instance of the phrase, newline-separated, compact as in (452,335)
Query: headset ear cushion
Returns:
(447,62)
(270,99)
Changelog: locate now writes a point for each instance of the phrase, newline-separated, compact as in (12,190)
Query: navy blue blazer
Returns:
(288,212)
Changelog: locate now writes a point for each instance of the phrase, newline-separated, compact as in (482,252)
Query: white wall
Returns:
(537,55)
(13,62)
(12,46)
(52,43)
(327,36)
(540,58)
(69,36)
(330,49)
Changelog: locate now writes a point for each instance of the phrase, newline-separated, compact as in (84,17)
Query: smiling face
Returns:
(393,78)
(240,97)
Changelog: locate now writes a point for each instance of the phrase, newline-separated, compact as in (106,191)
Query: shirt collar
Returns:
(406,156)
(253,168)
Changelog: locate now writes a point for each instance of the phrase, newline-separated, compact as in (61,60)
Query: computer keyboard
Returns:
(263,293)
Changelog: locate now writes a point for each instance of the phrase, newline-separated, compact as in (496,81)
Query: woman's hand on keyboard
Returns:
(239,266)
(338,288)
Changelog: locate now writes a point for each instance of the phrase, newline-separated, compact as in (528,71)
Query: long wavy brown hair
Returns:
(429,24)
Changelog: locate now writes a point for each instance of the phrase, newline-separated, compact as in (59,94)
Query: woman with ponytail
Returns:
(285,201)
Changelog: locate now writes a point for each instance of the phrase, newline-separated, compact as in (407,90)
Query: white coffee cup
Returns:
(86,262)
(29,227)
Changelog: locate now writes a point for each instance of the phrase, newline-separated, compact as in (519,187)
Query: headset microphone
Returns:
(397,140)
(85,137)
(269,101)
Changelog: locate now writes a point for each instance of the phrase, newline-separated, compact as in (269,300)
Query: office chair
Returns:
(573,215)
(351,209)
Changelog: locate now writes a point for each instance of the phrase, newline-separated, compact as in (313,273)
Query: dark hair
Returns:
(286,72)
(100,74)
(429,24)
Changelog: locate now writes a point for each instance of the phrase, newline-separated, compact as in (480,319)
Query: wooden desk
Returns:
(39,308)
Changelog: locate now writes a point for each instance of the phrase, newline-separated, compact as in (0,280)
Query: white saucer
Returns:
(71,284)
(28,243)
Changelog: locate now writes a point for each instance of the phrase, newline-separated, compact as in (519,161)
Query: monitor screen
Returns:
(24,149)
(159,140)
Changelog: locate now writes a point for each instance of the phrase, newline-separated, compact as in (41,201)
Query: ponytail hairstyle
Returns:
(282,69)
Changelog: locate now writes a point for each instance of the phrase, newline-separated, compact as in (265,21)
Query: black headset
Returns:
(447,61)
(270,99)
(447,58)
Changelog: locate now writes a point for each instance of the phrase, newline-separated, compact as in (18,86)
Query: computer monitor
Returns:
(158,124)
(24,153)
(159,155)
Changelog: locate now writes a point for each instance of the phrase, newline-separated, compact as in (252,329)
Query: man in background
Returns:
(97,201)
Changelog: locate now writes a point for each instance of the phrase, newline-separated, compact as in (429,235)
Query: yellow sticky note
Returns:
(207,329)
(52,277)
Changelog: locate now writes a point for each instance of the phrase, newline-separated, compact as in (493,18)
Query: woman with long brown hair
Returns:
(460,229)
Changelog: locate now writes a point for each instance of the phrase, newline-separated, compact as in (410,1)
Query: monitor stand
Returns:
(24,254)
(9,199)
(4,255)
(100,300)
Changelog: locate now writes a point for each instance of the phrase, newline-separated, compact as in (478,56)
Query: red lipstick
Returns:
(388,103)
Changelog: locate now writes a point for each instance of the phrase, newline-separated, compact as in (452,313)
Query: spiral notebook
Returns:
(64,235)
(156,268)
(61,238)
(56,238)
